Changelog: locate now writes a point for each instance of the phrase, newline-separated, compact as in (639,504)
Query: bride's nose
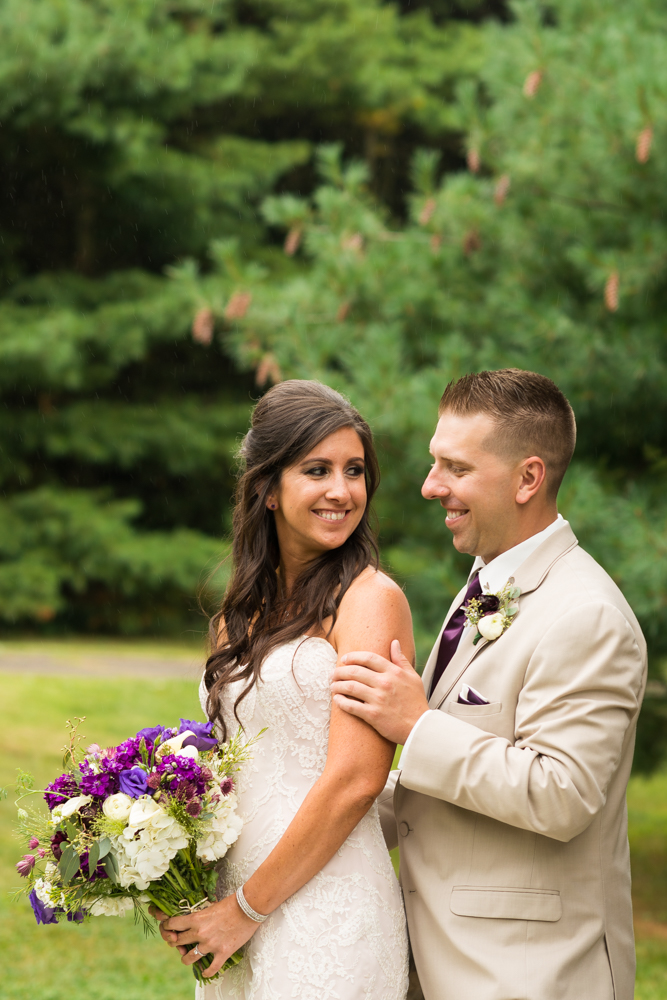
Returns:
(338,489)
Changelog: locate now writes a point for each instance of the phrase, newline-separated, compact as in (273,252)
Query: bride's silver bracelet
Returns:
(247,908)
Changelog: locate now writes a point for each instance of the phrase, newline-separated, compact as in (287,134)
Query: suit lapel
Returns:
(529,576)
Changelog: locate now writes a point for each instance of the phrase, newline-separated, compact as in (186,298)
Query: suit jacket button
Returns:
(403,829)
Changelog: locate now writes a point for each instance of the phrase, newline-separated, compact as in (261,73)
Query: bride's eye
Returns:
(317,471)
(355,471)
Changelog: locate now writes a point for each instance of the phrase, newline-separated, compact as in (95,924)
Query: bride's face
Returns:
(322,498)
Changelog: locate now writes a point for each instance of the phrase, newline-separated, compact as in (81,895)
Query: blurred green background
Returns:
(198,199)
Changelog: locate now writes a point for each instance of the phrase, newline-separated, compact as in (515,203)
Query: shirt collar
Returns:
(494,575)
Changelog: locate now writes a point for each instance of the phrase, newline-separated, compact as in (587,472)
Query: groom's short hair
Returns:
(532,415)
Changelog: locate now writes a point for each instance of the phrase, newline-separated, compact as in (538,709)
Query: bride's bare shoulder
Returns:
(373,612)
(373,582)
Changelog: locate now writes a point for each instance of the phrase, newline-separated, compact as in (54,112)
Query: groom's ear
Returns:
(533,473)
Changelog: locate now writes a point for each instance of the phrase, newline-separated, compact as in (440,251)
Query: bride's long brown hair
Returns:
(256,615)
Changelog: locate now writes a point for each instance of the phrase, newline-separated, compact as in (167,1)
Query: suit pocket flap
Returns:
(506,904)
(471,711)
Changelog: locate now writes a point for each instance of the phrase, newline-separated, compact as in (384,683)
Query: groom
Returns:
(509,804)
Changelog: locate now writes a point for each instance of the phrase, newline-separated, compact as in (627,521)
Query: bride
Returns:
(319,909)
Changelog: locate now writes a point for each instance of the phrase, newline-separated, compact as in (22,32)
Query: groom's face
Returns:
(477,487)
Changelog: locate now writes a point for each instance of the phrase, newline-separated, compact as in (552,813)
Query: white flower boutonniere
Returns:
(492,614)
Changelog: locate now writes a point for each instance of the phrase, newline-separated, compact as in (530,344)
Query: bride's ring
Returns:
(196,951)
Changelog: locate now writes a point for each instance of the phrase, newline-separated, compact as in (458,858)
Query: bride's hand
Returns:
(219,930)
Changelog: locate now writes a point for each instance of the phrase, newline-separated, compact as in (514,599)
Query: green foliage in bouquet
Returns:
(546,253)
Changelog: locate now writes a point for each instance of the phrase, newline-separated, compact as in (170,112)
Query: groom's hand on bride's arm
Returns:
(388,694)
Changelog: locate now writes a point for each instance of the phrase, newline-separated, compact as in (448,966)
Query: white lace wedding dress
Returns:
(343,935)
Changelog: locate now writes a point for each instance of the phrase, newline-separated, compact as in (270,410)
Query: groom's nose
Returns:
(434,488)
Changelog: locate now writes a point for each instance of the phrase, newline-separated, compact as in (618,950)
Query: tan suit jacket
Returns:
(511,816)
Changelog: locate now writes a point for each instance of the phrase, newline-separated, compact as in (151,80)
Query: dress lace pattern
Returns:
(342,936)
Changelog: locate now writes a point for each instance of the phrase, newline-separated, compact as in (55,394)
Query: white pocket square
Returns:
(468,696)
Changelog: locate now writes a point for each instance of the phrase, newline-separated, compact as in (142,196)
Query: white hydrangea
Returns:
(110,906)
(221,831)
(148,843)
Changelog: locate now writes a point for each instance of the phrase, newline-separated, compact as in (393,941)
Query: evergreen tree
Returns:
(547,253)
(132,133)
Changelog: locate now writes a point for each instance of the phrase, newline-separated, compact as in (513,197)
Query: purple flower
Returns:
(26,864)
(193,808)
(102,784)
(489,603)
(56,840)
(179,771)
(43,914)
(77,917)
(63,788)
(151,734)
(226,786)
(202,738)
(133,782)
(33,843)
(99,872)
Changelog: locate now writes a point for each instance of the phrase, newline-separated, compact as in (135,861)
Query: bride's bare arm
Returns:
(373,612)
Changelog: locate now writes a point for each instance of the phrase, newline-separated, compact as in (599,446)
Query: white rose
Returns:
(108,906)
(174,744)
(73,805)
(117,806)
(491,626)
(145,811)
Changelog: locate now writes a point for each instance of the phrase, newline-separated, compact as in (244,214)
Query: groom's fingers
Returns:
(352,689)
(355,672)
(356,708)
(373,661)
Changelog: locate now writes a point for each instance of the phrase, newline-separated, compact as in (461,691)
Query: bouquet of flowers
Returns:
(142,822)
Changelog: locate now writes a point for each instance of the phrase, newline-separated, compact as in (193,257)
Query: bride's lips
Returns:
(331,516)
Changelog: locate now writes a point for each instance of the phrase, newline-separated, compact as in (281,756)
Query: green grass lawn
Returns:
(109,958)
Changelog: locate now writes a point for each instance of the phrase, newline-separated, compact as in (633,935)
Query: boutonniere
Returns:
(492,614)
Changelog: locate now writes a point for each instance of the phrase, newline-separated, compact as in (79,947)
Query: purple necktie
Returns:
(453,632)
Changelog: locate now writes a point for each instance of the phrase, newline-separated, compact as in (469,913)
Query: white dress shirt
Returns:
(494,575)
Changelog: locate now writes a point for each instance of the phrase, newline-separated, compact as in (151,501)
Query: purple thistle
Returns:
(26,865)
(33,843)
(227,786)
(193,808)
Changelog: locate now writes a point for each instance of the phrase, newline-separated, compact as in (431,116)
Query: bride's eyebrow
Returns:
(327,461)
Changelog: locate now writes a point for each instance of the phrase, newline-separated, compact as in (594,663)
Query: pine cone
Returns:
(502,187)
(237,306)
(427,211)
(293,241)
(202,326)
(611,292)
(471,242)
(268,370)
(354,242)
(532,83)
(473,160)
(343,310)
(644,140)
